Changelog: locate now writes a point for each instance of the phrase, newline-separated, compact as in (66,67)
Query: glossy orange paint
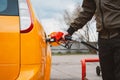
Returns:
(9,47)
(23,56)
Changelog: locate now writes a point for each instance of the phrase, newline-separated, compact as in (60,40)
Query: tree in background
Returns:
(88,32)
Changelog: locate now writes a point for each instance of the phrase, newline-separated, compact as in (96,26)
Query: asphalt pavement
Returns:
(68,67)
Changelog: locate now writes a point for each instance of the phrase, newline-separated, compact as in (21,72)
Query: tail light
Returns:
(25,16)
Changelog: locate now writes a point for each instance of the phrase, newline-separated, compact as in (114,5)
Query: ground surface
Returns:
(68,67)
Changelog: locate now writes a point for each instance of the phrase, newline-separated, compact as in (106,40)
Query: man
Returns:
(107,14)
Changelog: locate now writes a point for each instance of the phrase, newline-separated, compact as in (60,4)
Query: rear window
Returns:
(9,7)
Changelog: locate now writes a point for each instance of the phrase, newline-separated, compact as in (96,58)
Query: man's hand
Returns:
(70,30)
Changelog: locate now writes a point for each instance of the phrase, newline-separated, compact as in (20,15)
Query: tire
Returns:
(98,70)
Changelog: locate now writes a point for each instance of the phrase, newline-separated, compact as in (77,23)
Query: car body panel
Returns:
(9,47)
(25,55)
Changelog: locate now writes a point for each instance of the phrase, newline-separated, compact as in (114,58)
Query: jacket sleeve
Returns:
(87,12)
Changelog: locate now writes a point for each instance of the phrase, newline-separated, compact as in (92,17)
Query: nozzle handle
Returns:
(68,37)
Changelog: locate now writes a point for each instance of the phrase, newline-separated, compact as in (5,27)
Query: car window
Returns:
(3,5)
(9,7)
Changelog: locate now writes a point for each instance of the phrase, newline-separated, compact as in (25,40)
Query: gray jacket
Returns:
(107,14)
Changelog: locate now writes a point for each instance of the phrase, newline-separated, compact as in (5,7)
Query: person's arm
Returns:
(88,10)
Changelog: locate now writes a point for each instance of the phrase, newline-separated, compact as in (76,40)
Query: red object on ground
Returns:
(83,63)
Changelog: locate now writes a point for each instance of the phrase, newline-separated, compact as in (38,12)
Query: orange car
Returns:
(24,52)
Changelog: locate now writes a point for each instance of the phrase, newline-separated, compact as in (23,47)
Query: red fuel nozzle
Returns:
(56,35)
(55,38)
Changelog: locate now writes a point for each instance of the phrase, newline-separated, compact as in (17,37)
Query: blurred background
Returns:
(56,15)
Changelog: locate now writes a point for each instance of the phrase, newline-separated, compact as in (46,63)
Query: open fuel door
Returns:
(9,40)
